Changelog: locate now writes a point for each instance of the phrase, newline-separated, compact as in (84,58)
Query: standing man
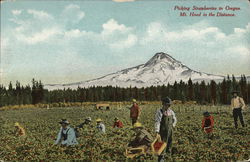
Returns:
(237,105)
(135,112)
(165,120)
(66,135)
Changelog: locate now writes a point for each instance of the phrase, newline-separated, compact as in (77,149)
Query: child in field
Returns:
(207,123)
(117,123)
(19,130)
(100,126)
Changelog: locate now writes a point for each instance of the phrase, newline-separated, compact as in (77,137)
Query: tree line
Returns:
(201,92)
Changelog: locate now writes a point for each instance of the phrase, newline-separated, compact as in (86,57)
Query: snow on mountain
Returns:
(160,69)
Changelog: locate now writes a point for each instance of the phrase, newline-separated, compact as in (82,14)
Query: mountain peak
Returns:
(162,57)
(161,54)
(159,70)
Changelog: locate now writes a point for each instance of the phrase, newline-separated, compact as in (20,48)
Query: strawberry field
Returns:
(189,143)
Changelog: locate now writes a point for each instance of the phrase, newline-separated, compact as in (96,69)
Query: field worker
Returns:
(207,122)
(85,126)
(66,135)
(134,112)
(165,120)
(117,123)
(237,105)
(100,126)
(142,137)
(19,131)
(87,121)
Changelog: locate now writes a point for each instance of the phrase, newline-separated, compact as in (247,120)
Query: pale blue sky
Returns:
(70,41)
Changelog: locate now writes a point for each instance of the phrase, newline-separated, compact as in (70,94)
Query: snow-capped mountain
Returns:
(160,69)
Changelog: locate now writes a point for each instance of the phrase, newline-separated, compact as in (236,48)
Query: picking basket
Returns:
(158,146)
(133,152)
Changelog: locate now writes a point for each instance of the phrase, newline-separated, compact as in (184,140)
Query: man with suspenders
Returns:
(165,120)
(66,135)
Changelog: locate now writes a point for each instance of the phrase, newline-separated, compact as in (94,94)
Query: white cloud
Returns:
(42,15)
(239,50)
(72,13)
(118,36)
(126,43)
(16,12)
(38,37)
(37,28)
(112,26)
(155,30)
(72,7)
(74,33)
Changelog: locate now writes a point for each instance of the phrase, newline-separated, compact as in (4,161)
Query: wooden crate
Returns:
(157,147)
(133,152)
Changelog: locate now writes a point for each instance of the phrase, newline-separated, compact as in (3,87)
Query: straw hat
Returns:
(16,124)
(137,125)
(98,120)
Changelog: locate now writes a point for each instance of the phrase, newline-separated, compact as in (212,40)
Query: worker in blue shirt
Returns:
(66,135)
(100,126)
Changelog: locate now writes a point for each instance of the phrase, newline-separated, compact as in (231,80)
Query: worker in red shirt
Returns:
(117,123)
(135,112)
(207,123)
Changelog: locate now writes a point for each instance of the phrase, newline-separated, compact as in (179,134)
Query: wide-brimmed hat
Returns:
(64,121)
(206,113)
(98,120)
(235,91)
(88,119)
(137,125)
(116,118)
(16,124)
(134,100)
(166,100)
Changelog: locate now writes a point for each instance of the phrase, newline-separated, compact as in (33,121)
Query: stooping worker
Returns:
(117,123)
(207,123)
(19,131)
(237,105)
(142,137)
(87,121)
(84,127)
(135,112)
(66,135)
(100,126)
(165,120)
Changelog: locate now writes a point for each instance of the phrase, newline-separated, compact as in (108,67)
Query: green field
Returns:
(190,143)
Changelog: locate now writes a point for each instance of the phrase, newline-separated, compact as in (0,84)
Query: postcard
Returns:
(125,80)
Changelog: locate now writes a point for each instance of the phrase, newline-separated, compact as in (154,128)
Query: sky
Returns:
(71,41)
